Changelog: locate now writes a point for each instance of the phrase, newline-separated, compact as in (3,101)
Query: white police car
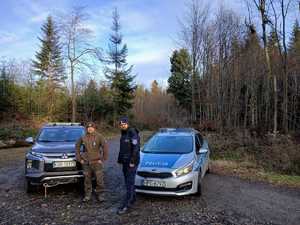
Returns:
(173,162)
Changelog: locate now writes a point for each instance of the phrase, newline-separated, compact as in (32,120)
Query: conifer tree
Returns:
(180,79)
(48,63)
(117,71)
(294,45)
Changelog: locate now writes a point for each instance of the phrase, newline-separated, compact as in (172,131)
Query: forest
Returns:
(228,73)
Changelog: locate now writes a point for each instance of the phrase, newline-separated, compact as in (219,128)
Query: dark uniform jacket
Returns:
(94,148)
(129,147)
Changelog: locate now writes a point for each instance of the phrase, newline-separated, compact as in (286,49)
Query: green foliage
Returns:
(96,102)
(18,133)
(180,79)
(5,91)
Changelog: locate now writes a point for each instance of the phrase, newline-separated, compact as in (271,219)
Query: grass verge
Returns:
(250,171)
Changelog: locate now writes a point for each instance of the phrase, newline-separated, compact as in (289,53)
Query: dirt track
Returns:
(225,200)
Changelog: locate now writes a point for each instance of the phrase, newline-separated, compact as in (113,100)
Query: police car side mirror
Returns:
(29,140)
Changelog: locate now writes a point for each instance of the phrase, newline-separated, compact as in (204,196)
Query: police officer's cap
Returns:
(91,124)
(124,119)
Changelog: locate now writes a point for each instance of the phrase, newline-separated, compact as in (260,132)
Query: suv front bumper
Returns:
(39,170)
(51,177)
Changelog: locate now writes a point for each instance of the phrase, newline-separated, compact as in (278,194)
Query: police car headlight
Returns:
(185,170)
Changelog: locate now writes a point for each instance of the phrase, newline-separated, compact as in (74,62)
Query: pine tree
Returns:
(118,73)
(49,64)
(180,79)
(294,45)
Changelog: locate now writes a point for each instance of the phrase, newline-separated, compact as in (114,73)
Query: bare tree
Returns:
(284,6)
(262,7)
(76,36)
(193,29)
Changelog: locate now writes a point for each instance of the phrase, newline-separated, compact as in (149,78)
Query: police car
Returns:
(51,160)
(173,162)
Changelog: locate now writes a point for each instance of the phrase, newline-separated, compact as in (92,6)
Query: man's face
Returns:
(123,126)
(90,130)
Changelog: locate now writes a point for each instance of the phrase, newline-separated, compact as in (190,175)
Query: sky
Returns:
(150,29)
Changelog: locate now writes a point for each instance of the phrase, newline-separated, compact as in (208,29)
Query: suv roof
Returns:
(60,124)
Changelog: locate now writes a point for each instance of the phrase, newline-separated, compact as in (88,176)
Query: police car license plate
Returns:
(64,164)
(154,183)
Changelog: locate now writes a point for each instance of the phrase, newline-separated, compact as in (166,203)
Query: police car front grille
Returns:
(154,175)
(179,188)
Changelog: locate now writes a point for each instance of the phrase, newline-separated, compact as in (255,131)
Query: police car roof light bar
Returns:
(163,130)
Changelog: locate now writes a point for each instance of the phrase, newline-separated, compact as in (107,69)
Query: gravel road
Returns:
(225,200)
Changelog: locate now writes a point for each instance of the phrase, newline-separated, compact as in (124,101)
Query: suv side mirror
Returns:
(203,150)
(29,140)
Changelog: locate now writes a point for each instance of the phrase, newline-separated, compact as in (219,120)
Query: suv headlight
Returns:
(36,154)
(184,170)
(29,164)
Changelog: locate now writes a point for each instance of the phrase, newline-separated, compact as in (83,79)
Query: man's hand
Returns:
(131,165)
(99,161)
(82,161)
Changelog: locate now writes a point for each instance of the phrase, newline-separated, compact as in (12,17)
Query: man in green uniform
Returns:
(91,152)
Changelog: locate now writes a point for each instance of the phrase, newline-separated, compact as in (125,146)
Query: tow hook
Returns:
(47,185)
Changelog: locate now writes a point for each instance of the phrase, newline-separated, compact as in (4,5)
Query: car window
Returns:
(60,134)
(200,138)
(169,144)
(198,145)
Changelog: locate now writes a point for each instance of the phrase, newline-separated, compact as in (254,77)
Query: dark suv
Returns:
(51,160)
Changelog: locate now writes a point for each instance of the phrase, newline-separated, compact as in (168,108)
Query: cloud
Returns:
(148,49)
(41,17)
(7,37)
(147,57)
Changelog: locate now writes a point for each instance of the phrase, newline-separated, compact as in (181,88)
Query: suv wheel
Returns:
(29,188)
(80,185)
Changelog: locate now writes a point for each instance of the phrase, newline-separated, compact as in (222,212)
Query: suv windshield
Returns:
(60,134)
(169,144)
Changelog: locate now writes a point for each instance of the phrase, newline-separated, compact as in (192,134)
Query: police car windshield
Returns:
(169,145)
(60,134)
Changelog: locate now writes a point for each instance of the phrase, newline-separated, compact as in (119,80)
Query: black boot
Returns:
(122,210)
(87,198)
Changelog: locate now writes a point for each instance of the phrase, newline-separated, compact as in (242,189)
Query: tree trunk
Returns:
(73,94)
(275,103)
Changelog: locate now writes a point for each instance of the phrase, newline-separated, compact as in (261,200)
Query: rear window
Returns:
(169,144)
(60,134)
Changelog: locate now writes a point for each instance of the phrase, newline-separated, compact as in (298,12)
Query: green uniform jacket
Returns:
(95,148)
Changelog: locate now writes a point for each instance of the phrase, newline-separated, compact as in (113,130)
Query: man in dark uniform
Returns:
(95,152)
(129,157)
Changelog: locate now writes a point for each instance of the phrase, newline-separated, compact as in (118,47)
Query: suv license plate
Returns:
(64,164)
(154,183)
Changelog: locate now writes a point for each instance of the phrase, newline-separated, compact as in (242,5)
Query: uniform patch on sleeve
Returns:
(134,141)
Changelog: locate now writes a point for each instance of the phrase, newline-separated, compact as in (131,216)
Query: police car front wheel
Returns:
(199,188)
